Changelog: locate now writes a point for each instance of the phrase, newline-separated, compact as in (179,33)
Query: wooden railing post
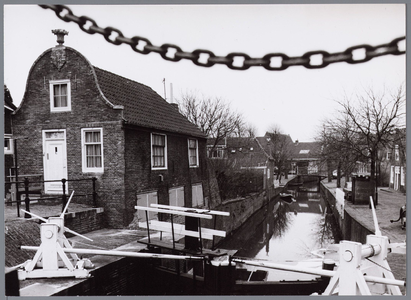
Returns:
(17,178)
(27,199)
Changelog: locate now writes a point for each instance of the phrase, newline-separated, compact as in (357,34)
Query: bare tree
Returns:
(279,149)
(213,116)
(219,122)
(365,125)
(336,151)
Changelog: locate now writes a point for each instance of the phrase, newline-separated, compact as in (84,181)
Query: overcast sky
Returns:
(296,99)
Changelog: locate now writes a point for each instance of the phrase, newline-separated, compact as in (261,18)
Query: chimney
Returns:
(60,33)
(171,93)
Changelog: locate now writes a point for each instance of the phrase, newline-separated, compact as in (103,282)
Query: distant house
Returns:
(306,158)
(77,121)
(396,158)
(241,165)
(9,108)
(253,153)
(242,152)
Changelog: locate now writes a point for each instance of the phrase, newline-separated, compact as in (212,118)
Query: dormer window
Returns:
(60,95)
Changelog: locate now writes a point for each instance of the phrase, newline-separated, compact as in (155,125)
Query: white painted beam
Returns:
(174,212)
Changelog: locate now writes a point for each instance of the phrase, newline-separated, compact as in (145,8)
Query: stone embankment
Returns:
(357,222)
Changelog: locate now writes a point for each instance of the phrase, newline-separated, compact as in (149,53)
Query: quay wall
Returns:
(351,229)
(241,210)
(85,221)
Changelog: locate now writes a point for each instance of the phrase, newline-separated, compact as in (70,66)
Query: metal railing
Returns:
(31,187)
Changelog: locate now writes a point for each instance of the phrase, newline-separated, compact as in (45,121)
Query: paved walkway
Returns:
(42,210)
(388,208)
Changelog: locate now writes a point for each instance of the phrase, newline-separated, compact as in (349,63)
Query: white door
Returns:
(397,178)
(55,162)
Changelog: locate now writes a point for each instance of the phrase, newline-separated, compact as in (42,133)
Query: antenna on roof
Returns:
(164,84)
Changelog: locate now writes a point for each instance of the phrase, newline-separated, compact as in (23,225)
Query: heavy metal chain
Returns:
(270,61)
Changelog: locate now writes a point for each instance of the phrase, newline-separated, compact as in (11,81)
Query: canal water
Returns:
(282,232)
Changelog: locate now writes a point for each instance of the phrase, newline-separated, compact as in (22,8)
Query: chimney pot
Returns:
(60,33)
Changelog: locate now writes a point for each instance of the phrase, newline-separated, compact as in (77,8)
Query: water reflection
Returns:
(281,231)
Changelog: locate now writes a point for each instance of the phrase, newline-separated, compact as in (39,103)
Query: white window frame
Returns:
(397,153)
(220,151)
(83,151)
(10,149)
(197,163)
(152,152)
(52,83)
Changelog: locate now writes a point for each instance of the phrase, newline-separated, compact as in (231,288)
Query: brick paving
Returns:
(42,210)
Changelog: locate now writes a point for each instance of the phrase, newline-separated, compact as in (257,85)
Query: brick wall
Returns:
(127,165)
(88,110)
(85,221)
(141,178)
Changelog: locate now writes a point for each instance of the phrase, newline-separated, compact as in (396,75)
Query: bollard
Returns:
(94,179)
(64,197)
(27,200)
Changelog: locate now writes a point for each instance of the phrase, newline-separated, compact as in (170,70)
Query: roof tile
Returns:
(143,106)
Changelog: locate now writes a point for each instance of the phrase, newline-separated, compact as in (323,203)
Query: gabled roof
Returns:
(143,106)
(233,142)
(8,100)
(306,150)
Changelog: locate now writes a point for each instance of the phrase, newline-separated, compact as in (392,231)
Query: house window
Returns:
(217,153)
(92,150)
(193,152)
(397,153)
(158,151)
(60,95)
(8,144)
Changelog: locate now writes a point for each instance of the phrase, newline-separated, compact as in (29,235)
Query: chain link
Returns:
(271,61)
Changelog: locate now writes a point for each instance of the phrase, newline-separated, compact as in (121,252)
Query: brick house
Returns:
(396,160)
(306,158)
(242,152)
(77,121)
(9,108)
